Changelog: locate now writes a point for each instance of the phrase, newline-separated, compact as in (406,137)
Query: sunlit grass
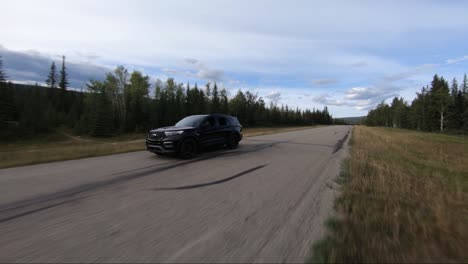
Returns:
(55,153)
(404,199)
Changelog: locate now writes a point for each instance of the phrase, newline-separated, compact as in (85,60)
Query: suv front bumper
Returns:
(161,146)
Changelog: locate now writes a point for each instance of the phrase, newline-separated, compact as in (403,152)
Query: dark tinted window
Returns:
(234,121)
(222,121)
(209,122)
(191,121)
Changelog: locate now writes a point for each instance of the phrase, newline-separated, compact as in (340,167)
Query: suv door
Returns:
(224,127)
(209,132)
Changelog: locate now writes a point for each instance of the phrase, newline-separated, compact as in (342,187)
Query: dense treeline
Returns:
(438,107)
(122,103)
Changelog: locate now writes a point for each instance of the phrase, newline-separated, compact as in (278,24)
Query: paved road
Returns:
(263,202)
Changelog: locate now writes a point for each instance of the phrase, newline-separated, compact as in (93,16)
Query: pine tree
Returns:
(202,100)
(464,93)
(7,104)
(215,102)
(101,110)
(455,109)
(440,97)
(39,115)
(465,118)
(116,85)
(188,100)
(52,78)
(196,109)
(464,86)
(171,91)
(454,88)
(102,126)
(180,101)
(238,107)
(2,74)
(208,92)
(224,102)
(63,84)
(398,113)
(137,92)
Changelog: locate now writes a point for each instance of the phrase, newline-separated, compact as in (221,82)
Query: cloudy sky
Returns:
(348,55)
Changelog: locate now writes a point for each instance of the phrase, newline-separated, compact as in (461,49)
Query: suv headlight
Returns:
(173,133)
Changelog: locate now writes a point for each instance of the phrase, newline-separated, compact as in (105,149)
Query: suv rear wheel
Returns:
(188,148)
(232,142)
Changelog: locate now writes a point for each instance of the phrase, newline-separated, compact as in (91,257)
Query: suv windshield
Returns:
(191,121)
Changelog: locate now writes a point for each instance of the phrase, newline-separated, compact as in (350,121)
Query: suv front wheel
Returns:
(188,148)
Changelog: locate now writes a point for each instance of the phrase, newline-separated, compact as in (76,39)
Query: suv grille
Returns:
(156,135)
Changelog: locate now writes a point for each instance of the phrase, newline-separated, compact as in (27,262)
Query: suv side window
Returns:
(222,121)
(234,121)
(209,123)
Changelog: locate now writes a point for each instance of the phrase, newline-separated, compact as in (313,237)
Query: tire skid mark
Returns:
(293,143)
(32,211)
(193,186)
(339,144)
(73,191)
(84,188)
(146,167)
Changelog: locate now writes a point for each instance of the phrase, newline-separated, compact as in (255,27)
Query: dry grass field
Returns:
(63,146)
(404,199)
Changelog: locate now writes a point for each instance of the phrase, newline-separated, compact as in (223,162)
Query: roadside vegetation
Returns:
(63,145)
(404,199)
(439,107)
(124,102)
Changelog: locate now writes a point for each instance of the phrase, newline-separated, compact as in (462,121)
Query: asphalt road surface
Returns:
(263,202)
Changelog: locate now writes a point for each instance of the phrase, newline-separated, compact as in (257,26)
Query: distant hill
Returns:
(355,120)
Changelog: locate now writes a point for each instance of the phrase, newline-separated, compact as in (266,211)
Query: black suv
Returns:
(193,133)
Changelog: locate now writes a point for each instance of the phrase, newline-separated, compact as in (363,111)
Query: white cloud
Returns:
(365,98)
(358,64)
(211,75)
(457,60)
(198,70)
(274,96)
(83,56)
(191,61)
(364,93)
(326,99)
(325,81)
(360,98)
(170,71)
(410,72)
